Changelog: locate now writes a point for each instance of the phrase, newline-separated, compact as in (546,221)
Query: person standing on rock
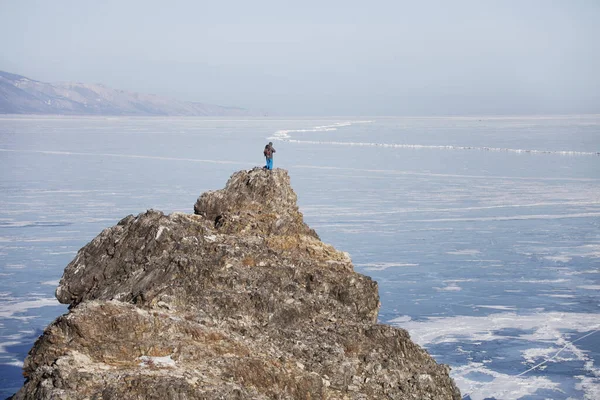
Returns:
(268,152)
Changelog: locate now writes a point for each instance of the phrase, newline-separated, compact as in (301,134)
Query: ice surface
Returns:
(430,147)
(476,244)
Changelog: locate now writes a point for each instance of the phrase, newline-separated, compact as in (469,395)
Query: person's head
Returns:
(270,143)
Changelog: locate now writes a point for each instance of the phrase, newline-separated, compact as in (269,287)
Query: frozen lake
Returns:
(483,233)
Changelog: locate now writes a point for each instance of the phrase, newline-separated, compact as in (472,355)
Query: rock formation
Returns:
(240,300)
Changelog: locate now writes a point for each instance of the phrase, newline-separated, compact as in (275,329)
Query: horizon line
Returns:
(284,116)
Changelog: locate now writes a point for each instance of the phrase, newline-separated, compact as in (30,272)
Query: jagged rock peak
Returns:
(239,301)
(257,200)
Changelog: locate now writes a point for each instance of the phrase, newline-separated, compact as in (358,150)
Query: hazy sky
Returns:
(320,57)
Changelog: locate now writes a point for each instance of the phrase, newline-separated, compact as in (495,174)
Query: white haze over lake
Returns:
(383,57)
(482,233)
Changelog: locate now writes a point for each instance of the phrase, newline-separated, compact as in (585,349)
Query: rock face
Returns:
(240,300)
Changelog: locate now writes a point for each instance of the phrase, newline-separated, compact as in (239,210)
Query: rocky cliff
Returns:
(240,300)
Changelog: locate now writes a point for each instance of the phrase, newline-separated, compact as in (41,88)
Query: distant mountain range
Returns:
(21,95)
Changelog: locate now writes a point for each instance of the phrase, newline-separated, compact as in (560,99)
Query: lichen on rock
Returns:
(240,300)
